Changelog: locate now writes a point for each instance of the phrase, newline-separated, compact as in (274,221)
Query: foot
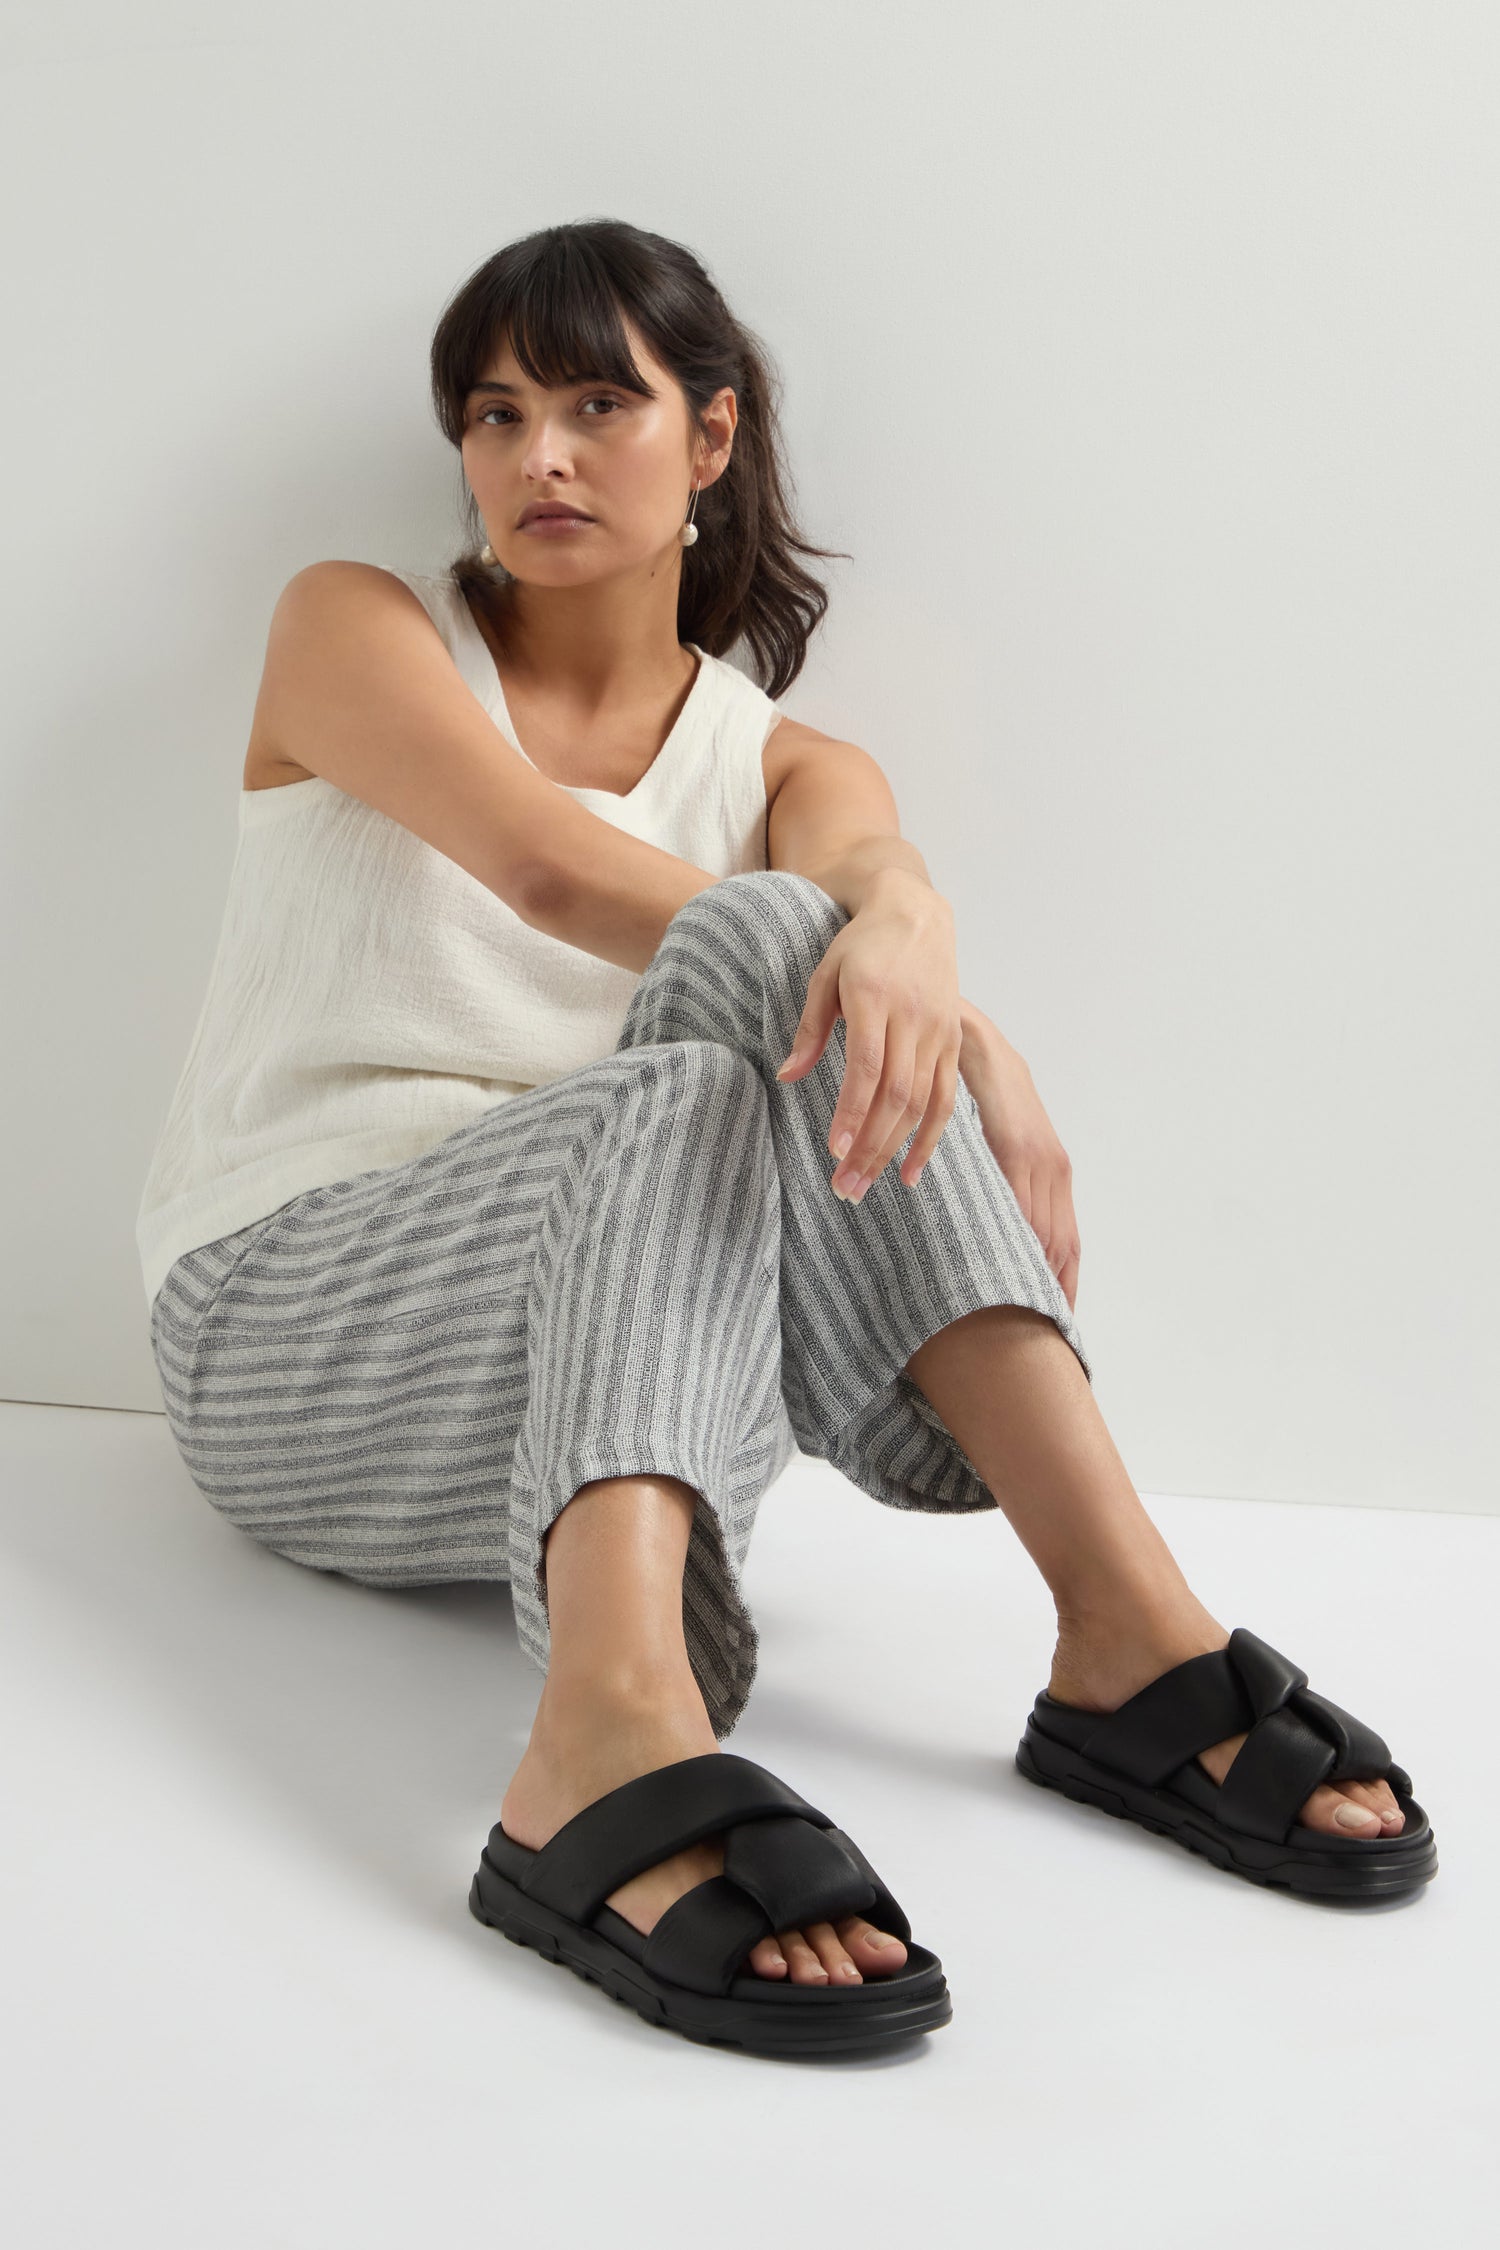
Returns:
(585,1744)
(1097,1668)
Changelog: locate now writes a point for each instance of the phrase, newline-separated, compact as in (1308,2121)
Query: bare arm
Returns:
(360,689)
(833,818)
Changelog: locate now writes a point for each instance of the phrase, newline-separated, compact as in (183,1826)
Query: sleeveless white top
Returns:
(369,996)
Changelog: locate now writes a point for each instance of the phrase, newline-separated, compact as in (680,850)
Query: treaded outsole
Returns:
(1367,1878)
(777,2032)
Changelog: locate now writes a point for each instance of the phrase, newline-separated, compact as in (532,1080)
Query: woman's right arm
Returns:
(359,688)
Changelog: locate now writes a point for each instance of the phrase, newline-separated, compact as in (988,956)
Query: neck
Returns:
(610,644)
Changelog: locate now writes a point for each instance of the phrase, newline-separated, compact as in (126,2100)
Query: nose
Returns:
(547,454)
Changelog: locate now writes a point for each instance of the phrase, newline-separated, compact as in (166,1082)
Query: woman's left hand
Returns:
(892,974)
(1024,1144)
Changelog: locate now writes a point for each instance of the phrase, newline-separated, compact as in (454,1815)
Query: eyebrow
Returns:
(512,390)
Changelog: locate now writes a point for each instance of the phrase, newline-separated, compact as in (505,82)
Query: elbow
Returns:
(539,892)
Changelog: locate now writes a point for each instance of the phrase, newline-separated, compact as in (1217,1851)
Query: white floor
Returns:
(247,2007)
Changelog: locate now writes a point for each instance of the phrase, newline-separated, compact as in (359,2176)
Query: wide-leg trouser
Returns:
(405,1376)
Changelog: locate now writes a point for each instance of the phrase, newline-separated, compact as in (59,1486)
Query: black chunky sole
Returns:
(1352,1869)
(756,2015)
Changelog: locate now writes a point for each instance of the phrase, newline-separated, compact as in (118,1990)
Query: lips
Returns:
(552,512)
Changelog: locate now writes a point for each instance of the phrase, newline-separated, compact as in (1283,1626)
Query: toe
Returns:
(832,1952)
(875,1952)
(1354,1808)
(1383,1797)
(1380,1798)
(766,1959)
(803,1964)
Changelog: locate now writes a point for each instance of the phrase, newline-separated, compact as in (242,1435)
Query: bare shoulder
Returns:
(267,767)
(792,743)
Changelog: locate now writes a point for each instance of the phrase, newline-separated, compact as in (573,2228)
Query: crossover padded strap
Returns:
(1288,1753)
(1195,1704)
(648,1819)
(778,1875)
(1276,1769)
(1294,1738)
(1359,1752)
(702,1939)
(795,1872)
(887,1912)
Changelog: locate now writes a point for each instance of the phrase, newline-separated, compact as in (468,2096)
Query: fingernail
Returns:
(843,1144)
(1352,1816)
(857,1189)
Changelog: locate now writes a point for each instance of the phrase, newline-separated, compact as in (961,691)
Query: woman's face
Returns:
(626,462)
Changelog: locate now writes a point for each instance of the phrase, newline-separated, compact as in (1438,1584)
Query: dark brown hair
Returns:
(557,296)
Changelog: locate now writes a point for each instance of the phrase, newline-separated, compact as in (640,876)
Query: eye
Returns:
(595,398)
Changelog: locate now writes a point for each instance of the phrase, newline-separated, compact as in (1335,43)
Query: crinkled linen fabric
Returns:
(405,1376)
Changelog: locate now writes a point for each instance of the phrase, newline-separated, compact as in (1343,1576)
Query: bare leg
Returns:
(620,1699)
(1011,1390)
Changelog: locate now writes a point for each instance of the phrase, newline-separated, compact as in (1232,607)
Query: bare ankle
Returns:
(1101,1661)
(1146,1617)
(627,1696)
(593,1731)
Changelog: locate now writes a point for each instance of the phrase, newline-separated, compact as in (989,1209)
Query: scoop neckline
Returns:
(499,710)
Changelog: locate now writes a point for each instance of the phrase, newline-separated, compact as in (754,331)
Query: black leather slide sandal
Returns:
(785,1865)
(1141,1763)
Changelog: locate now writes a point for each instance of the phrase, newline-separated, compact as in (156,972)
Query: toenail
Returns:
(1352,1816)
(876,1937)
(847,1969)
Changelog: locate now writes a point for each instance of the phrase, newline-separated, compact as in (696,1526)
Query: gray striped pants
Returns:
(641,1267)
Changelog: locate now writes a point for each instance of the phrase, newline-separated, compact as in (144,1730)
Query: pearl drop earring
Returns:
(487,553)
(689,531)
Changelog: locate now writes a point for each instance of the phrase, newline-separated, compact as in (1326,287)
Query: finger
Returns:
(1066,1222)
(913,1111)
(820,1012)
(1041,1210)
(939,1110)
(910,1116)
(864,1061)
(1018,1172)
(889,1119)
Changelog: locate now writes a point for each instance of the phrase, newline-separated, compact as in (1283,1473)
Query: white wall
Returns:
(1144,356)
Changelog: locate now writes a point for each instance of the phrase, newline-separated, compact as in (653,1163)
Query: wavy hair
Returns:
(557,297)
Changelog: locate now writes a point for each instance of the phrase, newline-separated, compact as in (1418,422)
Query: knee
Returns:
(715,1098)
(771,910)
(723,1083)
(707,1079)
